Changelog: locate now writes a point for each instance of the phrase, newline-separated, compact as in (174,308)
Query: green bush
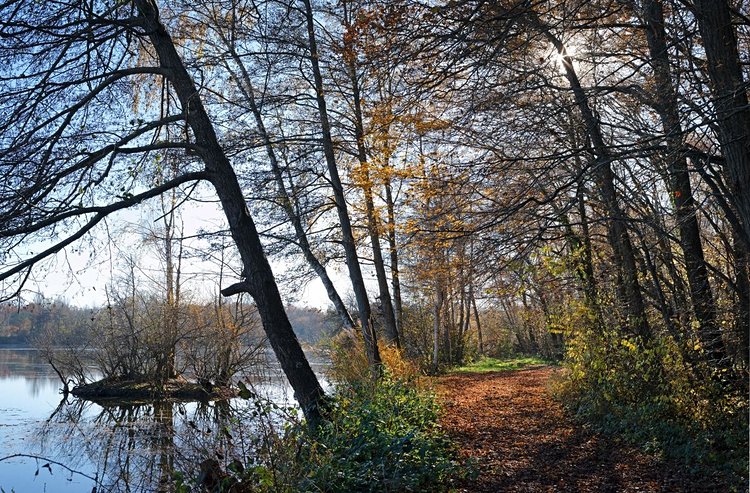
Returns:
(381,437)
(647,393)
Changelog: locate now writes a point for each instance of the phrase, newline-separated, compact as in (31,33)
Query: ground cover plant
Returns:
(649,395)
(379,436)
(501,364)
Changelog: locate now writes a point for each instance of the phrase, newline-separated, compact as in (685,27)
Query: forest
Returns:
(26,324)
(464,178)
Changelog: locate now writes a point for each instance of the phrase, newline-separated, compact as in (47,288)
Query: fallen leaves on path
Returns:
(521,441)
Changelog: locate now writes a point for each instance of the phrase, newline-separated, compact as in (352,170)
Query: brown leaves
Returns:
(522,441)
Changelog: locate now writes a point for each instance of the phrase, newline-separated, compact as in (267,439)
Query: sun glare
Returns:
(569,50)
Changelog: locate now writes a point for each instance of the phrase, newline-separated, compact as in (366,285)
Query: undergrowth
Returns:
(646,393)
(378,437)
(381,437)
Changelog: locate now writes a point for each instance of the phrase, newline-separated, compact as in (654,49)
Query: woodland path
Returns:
(521,441)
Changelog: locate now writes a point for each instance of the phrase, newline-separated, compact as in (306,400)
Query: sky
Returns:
(80,274)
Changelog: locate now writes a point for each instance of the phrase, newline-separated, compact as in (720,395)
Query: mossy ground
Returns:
(487,364)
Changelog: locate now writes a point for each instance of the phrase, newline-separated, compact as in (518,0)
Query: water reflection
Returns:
(22,362)
(126,447)
(25,368)
(139,447)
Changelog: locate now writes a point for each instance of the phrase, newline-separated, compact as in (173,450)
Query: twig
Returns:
(49,461)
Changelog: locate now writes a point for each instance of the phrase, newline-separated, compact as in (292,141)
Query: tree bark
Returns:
(730,100)
(258,277)
(581,243)
(480,340)
(449,321)
(587,268)
(742,304)
(398,307)
(436,322)
(678,184)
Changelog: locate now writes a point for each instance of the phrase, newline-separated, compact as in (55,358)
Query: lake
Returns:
(57,445)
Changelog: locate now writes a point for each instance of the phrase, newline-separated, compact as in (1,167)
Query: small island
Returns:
(148,345)
(140,390)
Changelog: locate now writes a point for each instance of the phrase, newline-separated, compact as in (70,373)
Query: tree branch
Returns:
(100,213)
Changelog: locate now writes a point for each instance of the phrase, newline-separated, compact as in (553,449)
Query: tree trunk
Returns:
(730,101)
(476,320)
(458,343)
(449,321)
(389,318)
(259,281)
(742,304)
(589,281)
(466,326)
(436,323)
(580,252)
(678,184)
(398,307)
(581,243)
(665,308)
(347,236)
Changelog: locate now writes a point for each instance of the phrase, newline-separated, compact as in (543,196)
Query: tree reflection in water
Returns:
(138,447)
(128,447)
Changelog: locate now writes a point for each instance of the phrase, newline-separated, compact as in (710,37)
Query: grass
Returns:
(494,364)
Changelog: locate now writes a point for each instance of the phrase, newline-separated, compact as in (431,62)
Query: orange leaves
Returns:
(422,122)
(521,440)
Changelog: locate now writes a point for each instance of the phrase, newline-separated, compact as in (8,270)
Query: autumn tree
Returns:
(347,235)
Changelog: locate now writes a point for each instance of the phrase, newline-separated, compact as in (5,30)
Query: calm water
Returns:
(48,444)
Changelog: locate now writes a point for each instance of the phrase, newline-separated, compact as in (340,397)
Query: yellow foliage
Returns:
(348,360)
(349,363)
(396,364)
(628,344)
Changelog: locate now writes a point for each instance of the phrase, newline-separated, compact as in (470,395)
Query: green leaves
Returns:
(246,393)
(380,437)
(647,393)
(383,438)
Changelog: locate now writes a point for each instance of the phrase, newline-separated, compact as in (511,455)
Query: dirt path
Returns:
(521,441)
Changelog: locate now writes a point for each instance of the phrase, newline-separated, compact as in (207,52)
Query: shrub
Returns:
(647,393)
(380,436)
(349,364)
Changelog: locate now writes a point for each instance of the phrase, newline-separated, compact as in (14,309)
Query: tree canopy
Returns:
(539,175)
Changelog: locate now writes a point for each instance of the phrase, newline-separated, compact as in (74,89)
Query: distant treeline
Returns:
(22,324)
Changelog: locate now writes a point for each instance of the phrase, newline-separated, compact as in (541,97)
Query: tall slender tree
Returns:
(236,66)
(678,181)
(86,62)
(347,234)
(350,55)
(617,221)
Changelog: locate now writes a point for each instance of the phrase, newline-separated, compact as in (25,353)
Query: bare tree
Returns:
(66,144)
(350,249)
(230,37)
